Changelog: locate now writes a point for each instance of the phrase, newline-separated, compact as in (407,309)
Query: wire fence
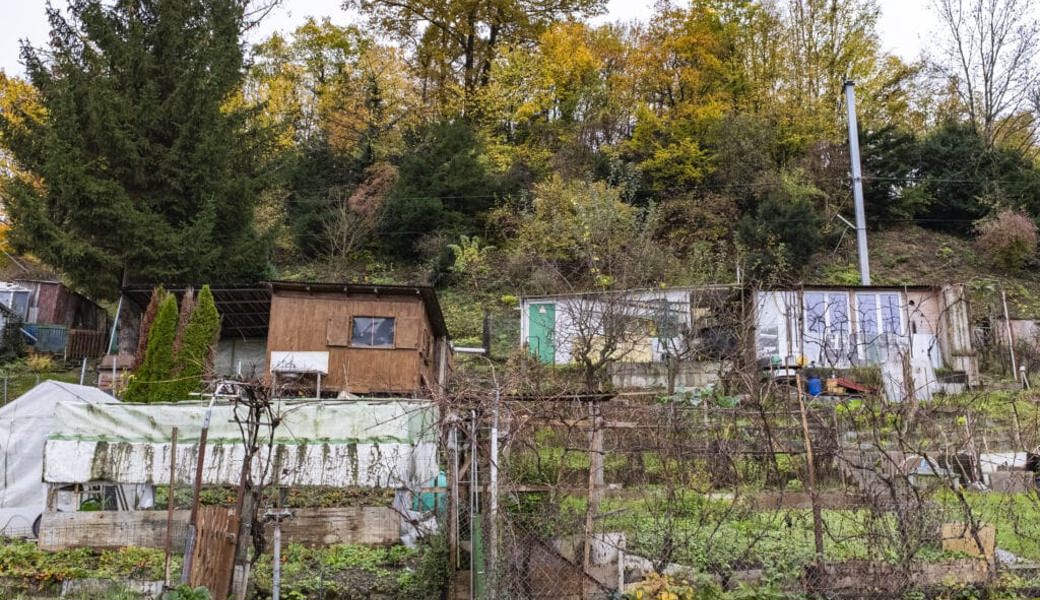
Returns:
(860,499)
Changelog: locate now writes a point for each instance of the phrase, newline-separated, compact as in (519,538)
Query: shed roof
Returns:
(244,310)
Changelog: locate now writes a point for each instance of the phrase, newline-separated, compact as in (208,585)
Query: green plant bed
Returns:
(353,571)
(29,570)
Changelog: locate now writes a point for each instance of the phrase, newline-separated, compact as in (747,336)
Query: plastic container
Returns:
(814,386)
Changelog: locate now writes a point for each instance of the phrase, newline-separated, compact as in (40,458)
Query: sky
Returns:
(904,24)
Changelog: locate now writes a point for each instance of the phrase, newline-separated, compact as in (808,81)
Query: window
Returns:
(372,332)
(880,330)
(827,328)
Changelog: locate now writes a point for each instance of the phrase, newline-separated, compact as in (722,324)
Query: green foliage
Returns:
(186,592)
(153,380)
(352,571)
(194,360)
(442,185)
(133,563)
(472,260)
(12,341)
(890,161)
(959,172)
(35,569)
(149,169)
(784,232)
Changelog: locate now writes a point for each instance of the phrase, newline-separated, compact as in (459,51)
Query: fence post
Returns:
(169,499)
(814,498)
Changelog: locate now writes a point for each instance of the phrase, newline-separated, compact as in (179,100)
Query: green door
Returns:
(540,326)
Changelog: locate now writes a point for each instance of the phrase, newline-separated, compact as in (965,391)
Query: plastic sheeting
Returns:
(24,426)
(387,444)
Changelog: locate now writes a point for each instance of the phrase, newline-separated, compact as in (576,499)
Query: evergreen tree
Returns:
(150,164)
(152,381)
(442,185)
(187,308)
(158,294)
(195,356)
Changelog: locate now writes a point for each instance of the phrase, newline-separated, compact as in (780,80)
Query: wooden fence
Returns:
(86,343)
(370,525)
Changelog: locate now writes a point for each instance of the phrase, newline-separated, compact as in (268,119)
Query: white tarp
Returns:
(389,444)
(24,426)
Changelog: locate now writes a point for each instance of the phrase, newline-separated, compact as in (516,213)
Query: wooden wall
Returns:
(302,321)
(51,303)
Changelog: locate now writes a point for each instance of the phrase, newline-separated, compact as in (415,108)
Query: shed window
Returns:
(372,332)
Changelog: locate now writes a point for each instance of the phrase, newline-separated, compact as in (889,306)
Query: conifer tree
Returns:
(187,308)
(195,356)
(151,165)
(158,294)
(152,382)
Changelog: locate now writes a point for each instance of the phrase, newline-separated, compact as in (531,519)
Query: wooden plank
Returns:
(110,529)
(957,537)
(337,331)
(214,551)
(371,525)
(375,525)
(408,331)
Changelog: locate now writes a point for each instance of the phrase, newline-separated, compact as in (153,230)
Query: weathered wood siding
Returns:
(302,321)
(373,525)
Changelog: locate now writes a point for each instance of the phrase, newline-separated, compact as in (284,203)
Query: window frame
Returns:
(393,333)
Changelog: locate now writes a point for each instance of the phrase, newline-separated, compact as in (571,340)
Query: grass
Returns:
(1015,516)
(20,381)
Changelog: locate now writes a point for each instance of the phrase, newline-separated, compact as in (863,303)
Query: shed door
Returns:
(541,326)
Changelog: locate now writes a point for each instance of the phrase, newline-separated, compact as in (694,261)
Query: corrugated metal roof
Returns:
(246,310)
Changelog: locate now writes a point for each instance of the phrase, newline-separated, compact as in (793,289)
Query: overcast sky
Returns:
(905,24)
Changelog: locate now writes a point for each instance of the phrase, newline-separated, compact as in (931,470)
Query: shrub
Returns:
(195,356)
(1008,239)
(151,382)
(39,363)
(158,294)
(12,341)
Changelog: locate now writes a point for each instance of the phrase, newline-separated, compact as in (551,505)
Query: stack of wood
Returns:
(115,369)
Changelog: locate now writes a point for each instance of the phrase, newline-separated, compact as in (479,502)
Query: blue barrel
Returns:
(815,385)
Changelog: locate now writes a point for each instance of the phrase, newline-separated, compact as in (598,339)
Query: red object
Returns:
(852,385)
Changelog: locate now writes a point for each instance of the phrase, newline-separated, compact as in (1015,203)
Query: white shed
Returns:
(25,424)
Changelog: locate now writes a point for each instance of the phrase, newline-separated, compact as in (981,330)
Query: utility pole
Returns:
(857,185)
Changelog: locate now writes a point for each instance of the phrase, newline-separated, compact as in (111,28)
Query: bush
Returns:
(39,363)
(195,356)
(151,382)
(1008,239)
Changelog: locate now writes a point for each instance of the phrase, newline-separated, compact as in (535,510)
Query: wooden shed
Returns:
(361,339)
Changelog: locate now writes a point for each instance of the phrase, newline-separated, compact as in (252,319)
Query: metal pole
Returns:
(857,185)
(477,579)
(493,495)
(83,371)
(276,568)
